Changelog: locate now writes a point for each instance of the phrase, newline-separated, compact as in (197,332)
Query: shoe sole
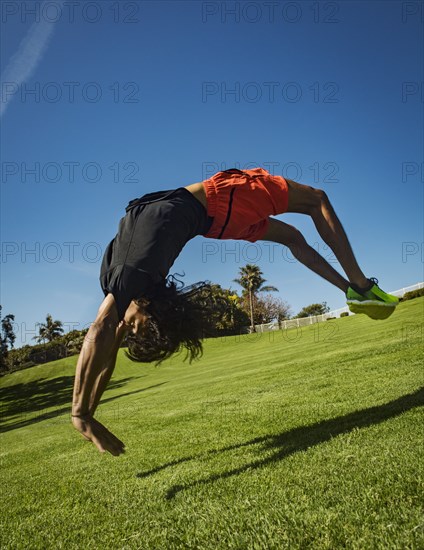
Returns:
(372,303)
(374,310)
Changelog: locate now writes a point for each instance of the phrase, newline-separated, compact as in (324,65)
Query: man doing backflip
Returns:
(143,303)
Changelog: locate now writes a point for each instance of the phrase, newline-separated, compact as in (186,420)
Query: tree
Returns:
(235,317)
(269,308)
(8,337)
(228,315)
(251,280)
(50,330)
(314,309)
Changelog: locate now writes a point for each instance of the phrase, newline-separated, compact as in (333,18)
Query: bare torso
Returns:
(198,191)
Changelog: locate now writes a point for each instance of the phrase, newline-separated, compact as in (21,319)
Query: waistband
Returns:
(211,190)
(157,196)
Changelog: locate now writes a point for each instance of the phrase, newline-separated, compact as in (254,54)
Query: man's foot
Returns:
(372,301)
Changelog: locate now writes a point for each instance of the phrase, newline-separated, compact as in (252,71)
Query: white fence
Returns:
(303,321)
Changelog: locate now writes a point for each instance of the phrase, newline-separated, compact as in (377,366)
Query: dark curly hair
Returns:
(179,317)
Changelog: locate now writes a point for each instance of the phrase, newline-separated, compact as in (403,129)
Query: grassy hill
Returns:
(308,438)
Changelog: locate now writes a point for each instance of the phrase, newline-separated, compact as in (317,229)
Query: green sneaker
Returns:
(374,302)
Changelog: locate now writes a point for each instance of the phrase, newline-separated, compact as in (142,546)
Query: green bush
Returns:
(44,353)
(413,294)
(344,314)
(74,340)
(28,356)
(19,357)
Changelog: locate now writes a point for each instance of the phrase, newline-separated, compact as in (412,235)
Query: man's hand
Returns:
(98,434)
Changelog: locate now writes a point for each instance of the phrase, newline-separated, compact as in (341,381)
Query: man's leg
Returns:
(283,233)
(315,203)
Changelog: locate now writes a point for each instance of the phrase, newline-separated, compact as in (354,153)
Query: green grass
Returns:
(310,439)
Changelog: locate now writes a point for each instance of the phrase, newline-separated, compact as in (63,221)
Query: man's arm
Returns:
(94,369)
(107,371)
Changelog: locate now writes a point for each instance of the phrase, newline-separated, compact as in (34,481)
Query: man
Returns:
(160,319)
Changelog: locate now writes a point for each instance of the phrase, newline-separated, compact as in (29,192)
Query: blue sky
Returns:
(108,101)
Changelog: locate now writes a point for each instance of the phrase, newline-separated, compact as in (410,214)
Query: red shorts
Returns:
(241,201)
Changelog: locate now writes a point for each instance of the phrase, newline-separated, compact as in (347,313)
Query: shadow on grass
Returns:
(300,439)
(25,404)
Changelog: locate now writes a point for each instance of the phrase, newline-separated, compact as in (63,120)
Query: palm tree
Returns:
(251,280)
(49,330)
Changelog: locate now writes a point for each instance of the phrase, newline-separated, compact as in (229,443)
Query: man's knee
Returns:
(320,196)
(305,199)
(296,242)
(295,236)
(320,199)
